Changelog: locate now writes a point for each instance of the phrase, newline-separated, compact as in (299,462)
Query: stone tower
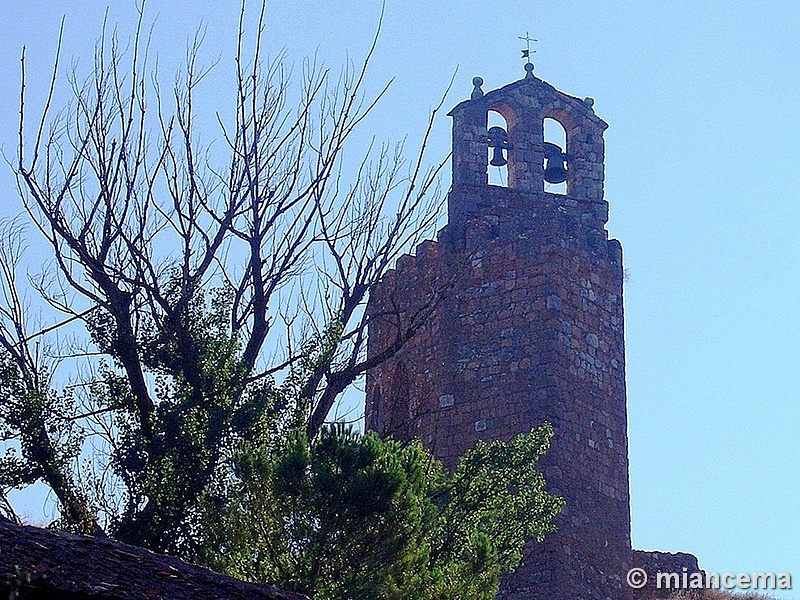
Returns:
(518,319)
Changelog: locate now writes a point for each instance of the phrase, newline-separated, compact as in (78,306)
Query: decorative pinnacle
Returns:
(477,92)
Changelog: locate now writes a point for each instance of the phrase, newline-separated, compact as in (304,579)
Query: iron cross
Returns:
(527,39)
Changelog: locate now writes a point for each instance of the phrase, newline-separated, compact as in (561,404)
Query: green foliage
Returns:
(353,516)
(39,419)
(28,407)
(204,407)
(207,409)
(496,489)
(231,479)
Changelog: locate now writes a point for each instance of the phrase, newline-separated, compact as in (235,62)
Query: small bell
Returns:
(498,141)
(555,166)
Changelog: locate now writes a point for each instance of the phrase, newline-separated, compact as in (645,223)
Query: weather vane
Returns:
(526,53)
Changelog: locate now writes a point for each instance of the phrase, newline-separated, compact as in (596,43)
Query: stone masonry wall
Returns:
(528,328)
(523,323)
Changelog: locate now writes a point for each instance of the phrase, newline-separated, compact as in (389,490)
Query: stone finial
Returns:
(528,70)
(477,92)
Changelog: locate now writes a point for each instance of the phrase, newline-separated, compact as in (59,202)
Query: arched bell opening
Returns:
(497,138)
(556,158)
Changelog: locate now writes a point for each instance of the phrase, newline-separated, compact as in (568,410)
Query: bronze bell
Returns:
(498,141)
(555,170)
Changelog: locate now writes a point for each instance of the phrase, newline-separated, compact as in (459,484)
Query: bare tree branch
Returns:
(222,290)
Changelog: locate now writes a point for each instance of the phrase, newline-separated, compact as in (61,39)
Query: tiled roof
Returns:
(65,566)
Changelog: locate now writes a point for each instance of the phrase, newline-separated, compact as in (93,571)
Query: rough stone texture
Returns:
(526,326)
(47,564)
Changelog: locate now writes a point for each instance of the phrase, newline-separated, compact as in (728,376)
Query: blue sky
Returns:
(703,181)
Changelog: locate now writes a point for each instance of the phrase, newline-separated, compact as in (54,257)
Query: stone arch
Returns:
(556,137)
(506,111)
(497,174)
(584,138)
(516,152)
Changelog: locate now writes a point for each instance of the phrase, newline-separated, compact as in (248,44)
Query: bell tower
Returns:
(519,319)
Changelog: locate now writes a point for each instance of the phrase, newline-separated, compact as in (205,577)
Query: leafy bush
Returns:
(350,515)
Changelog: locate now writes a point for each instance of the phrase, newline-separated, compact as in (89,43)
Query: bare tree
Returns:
(31,411)
(221,295)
